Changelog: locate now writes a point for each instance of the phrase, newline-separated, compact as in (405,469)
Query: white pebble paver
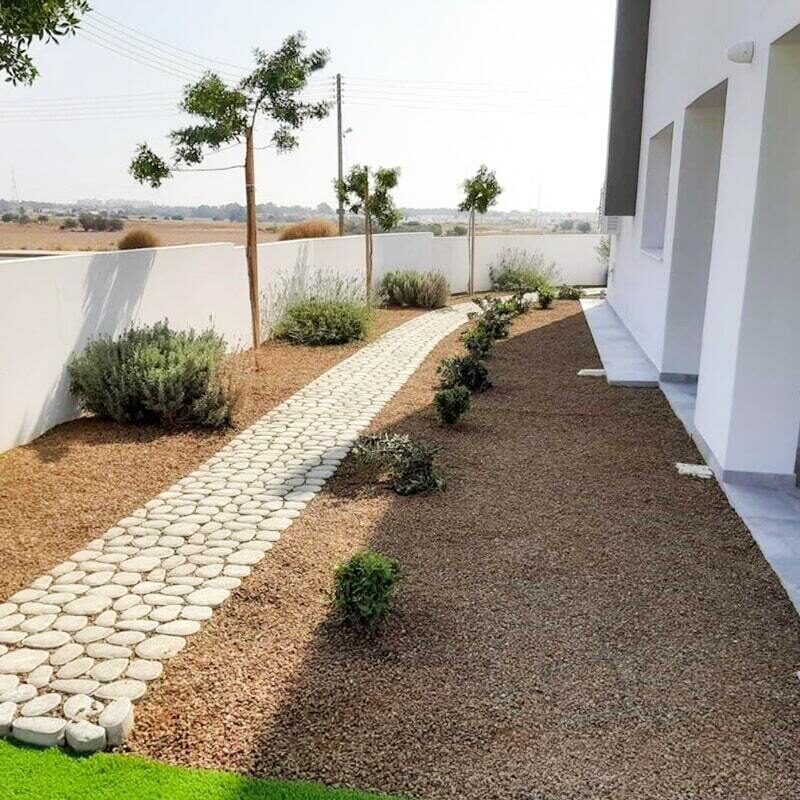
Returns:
(78,645)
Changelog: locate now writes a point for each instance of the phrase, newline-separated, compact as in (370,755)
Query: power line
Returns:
(133,56)
(119,24)
(157,54)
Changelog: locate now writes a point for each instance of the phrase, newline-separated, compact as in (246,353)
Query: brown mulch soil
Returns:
(575,619)
(74,482)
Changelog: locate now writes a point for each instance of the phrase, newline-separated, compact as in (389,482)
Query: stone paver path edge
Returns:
(79,645)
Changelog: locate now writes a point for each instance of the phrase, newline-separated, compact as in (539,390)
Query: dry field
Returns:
(47,236)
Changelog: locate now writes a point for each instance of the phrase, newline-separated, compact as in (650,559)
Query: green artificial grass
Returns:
(30,774)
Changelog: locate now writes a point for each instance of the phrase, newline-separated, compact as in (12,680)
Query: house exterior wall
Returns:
(687,56)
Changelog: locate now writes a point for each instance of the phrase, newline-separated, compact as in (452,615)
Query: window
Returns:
(659,158)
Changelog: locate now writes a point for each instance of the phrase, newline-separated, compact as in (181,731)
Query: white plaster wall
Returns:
(51,307)
(574,254)
(686,58)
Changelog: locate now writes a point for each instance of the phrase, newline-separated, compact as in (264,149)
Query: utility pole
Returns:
(340,211)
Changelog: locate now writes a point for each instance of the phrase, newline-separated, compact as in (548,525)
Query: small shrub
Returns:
(546,296)
(519,271)
(155,375)
(495,317)
(466,371)
(324,321)
(364,588)
(416,289)
(138,239)
(567,292)
(310,229)
(452,404)
(9,217)
(70,223)
(411,465)
(477,341)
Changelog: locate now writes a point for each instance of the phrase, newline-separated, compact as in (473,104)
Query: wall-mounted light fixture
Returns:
(741,52)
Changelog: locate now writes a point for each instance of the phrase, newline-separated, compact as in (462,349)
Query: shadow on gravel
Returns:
(575,620)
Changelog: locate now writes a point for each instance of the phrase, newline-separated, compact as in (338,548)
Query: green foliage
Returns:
(603,251)
(477,341)
(452,404)
(466,371)
(54,774)
(411,464)
(364,588)
(416,289)
(520,271)
(23,21)
(352,191)
(147,167)
(99,222)
(319,321)
(480,191)
(567,292)
(70,223)
(546,296)
(459,230)
(154,375)
(9,217)
(584,227)
(495,317)
(226,113)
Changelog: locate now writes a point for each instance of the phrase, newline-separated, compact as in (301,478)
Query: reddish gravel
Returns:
(576,621)
(72,484)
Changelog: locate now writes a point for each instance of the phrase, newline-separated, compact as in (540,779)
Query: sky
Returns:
(435,88)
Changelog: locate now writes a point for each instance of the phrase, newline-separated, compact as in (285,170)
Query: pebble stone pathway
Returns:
(79,645)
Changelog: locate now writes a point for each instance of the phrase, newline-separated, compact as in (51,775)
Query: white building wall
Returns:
(687,50)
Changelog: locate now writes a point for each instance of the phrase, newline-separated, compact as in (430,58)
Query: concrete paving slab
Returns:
(626,364)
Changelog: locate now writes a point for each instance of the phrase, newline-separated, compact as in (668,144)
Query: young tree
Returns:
(22,21)
(228,115)
(480,193)
(355,192)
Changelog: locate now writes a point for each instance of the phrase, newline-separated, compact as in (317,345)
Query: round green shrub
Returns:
(466,371)
(416,289)
(477,341)
(546,296)
(567,292)
(319,322)
(153,374)
(364,588)
(452,404)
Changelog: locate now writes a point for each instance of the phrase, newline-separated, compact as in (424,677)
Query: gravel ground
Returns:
(575,620)
(70,485)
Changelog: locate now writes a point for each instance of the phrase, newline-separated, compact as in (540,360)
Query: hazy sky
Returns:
(435,88)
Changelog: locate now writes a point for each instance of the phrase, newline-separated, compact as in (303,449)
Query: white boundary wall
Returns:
(574,255)
(51,306)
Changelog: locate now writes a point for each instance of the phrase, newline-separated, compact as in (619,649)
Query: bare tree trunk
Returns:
(368,238)
(471,248)
(252,239)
